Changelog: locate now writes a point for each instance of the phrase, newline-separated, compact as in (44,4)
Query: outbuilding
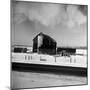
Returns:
(66,51)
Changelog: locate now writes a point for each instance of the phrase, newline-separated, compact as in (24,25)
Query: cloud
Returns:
(75,16)
(49,14)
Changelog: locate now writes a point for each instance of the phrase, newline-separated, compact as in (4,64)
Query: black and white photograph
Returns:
(49,44)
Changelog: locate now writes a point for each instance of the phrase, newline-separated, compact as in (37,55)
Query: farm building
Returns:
(81,51)
(21,49)
(66,51)
(43,43)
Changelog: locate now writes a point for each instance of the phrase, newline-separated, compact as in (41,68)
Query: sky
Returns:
(65,23)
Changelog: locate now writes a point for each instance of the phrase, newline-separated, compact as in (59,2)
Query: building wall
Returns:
(81,51)
(47,45)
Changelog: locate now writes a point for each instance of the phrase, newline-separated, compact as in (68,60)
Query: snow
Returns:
(73,60)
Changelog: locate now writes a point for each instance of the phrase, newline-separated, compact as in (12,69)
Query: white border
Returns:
(62,1)
(5,45)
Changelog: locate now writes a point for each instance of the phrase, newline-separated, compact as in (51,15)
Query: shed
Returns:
(66,51)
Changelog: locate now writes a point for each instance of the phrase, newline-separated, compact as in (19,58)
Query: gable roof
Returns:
(44,35)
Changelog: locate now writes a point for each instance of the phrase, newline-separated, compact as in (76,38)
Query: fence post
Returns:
(25,57)
(70,60)
(31,57)
(55,58)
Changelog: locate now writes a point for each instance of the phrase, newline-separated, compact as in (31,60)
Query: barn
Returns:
(44,44)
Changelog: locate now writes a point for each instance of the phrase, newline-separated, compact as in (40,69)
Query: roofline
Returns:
(81,47)
(45,35)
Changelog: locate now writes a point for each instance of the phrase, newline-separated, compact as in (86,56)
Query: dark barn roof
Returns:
(45,36)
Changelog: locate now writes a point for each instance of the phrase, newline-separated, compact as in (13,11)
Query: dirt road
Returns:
(31,79)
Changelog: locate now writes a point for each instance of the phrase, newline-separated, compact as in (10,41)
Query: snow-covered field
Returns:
(32,79)
(73,60)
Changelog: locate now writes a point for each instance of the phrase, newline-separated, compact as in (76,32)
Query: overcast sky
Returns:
(67,24)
